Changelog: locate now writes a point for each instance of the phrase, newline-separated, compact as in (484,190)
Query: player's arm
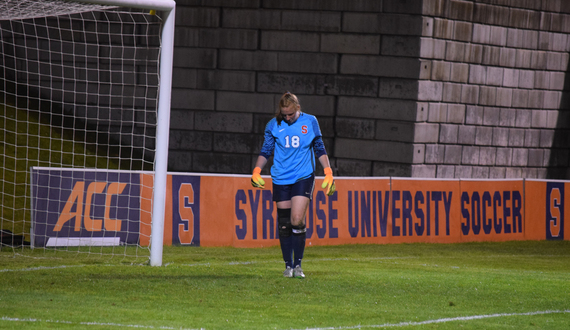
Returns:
(321,153)
(266,151)
(324,160)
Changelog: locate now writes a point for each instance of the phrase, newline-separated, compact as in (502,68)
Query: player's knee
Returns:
(298,219)
(284,222)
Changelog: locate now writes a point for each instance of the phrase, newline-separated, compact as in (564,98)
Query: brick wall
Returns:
(494,89)
(433,88)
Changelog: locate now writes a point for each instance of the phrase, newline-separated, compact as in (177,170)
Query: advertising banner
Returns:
(88,207)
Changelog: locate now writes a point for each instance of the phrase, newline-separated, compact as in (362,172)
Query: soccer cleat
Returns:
(288,272)
(298,272)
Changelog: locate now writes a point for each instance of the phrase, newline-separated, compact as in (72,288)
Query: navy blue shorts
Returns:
(300,188)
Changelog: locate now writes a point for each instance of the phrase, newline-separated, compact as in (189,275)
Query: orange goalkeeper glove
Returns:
(256,180)
(329,182)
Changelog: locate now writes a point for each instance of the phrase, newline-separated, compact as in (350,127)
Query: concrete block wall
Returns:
(496,91)
(432,88)
(353,64)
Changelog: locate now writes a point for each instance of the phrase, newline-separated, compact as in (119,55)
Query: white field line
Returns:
(39,268)
(385,325)
(450,319)
(33,320)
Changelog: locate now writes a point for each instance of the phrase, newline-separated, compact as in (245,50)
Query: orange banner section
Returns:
(424,210)
(146,209)
(233,213)
(147,182)
(356,213)
(492,210)
(361,211)
(546,211)
(225,210)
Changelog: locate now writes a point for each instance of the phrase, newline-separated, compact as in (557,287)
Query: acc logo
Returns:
(555,210)
(76,198)
(304,129)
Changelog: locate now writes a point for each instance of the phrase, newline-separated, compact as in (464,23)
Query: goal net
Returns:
(84,107)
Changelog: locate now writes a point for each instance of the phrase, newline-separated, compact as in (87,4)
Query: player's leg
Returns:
(282,197)
(286,238)
(302,192)
(298,212)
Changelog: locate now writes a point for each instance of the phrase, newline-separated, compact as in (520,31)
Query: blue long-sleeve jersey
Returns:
(292,146)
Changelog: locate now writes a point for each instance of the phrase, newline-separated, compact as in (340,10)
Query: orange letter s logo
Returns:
(554,221)
(555,212)
(185,201)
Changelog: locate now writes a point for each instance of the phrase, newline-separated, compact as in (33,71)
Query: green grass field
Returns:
(512,285)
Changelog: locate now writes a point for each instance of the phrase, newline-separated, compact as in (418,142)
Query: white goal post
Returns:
(35,63)
(163,118)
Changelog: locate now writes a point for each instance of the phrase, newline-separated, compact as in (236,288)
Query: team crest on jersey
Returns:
(304,129)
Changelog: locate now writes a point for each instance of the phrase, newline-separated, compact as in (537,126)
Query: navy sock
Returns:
(299,237)
(285,238)
(287,250)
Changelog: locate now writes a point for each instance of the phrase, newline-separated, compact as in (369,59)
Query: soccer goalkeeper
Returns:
(292,137)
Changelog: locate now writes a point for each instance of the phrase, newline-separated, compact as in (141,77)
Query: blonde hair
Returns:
(286,100)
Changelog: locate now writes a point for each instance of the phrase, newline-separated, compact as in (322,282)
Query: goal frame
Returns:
(168,9)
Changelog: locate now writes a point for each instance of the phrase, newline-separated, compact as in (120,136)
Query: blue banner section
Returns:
(555,210)
(85,207)
(186,210)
